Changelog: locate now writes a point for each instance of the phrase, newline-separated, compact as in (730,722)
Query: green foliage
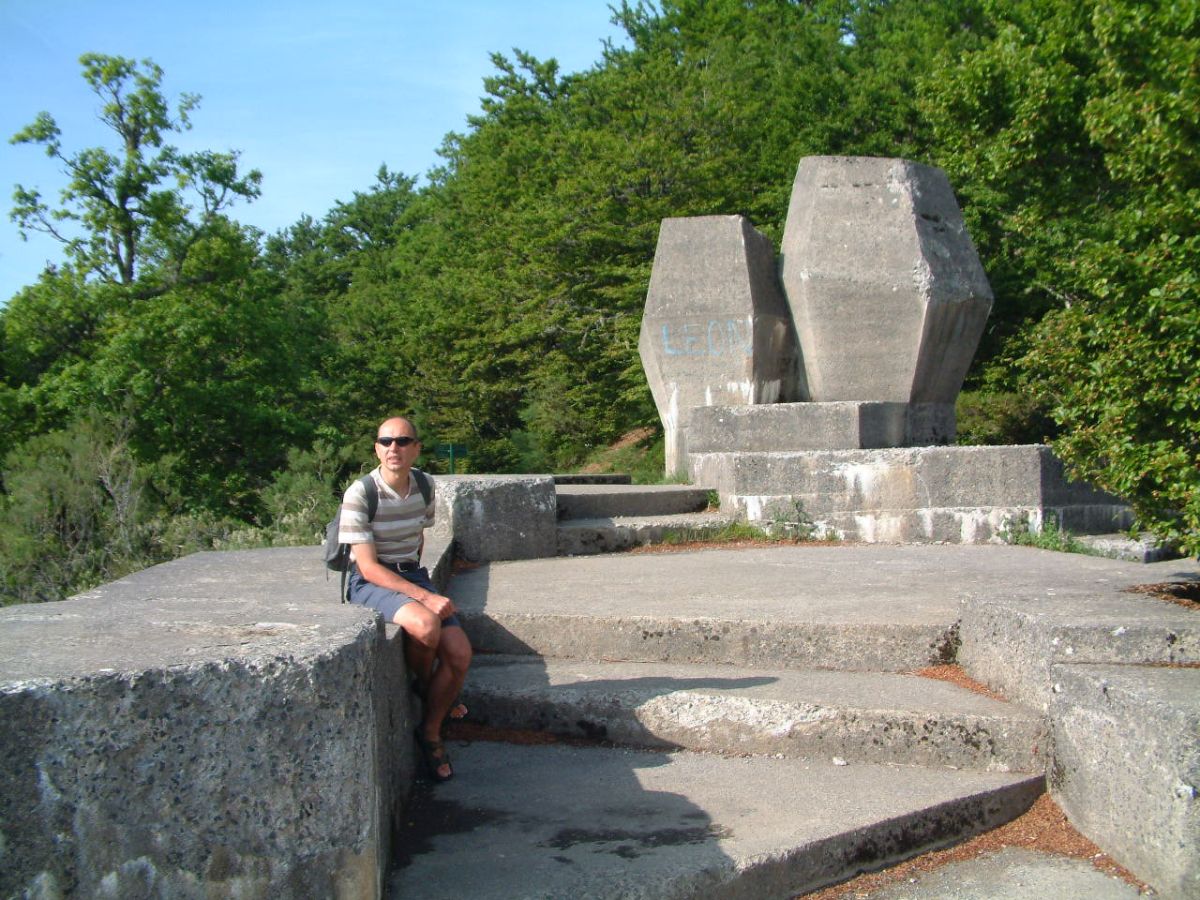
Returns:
(499,304)
(74,512)
(145,204)
(1048,537)
(991,417)
(638,454)
(213,376)
(305,494)
(1119,367)
(727,533)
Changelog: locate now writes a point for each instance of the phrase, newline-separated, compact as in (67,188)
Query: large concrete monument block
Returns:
(217,726)
(716,329)
(886,290)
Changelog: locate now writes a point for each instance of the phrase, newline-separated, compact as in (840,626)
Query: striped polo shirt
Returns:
(398,525)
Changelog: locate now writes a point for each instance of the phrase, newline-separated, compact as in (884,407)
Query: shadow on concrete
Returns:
(538,817)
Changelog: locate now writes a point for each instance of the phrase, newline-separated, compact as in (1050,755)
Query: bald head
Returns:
(396,427)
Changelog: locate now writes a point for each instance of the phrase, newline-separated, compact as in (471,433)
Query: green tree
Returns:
(74,513)
(1120,367)
(1071,132)
(144,205)
(214,374)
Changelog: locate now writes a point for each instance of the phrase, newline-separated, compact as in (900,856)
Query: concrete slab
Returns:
(1011,874)
(496,516)
(216,725)
(588,501)
(1127,767)
(853,716)
(1144,548)
(555,821)
(854,606)
(1012,640)
(911,494)
(848,425)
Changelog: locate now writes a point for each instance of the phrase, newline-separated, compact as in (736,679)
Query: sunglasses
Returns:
(402,441)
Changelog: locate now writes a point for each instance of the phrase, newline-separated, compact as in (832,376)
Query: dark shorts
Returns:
(387,602)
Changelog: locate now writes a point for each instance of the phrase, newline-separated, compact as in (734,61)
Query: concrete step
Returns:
(593,478)
(579,537)
(798,607)
(591,501)
(1143,548)
(586,822)
(857,717)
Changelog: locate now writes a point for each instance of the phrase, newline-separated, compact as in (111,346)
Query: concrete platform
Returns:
(850,607)
(953,494)
(219,725)
(1012,639)
(556,821)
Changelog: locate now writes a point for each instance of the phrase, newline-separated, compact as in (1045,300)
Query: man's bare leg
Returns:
(424,632)
(429,643)
(454,658)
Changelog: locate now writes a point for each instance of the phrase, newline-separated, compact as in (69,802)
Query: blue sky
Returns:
(316,95)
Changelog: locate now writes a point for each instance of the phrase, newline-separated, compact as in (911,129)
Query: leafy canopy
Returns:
(142,204)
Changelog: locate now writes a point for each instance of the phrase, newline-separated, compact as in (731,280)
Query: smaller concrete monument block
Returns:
(716,329)
(887,293)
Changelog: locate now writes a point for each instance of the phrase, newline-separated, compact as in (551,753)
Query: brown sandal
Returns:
(458,709)
(434,754)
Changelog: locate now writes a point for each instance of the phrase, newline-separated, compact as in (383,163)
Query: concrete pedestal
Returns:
(954,494)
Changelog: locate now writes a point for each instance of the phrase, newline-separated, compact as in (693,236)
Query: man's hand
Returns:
(440,606)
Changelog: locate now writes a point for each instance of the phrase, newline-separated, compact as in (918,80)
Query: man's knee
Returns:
(420,624)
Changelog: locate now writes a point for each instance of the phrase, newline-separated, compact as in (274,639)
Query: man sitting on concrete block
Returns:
(387,576)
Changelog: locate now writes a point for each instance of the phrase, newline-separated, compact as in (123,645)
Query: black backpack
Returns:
(337,554)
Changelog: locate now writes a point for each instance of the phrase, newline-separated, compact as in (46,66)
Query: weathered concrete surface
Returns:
(1126,767)
(611,534)
(850,607)
(715,329)
(954,494)
(860,717)
(849,425)
(1142,548)
(496,516)
(1011,874)
(887,293)
(596,501)
(584,822)
(1012,639)
(205,728)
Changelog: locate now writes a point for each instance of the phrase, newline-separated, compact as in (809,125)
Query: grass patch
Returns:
(1049,537)
(730,532)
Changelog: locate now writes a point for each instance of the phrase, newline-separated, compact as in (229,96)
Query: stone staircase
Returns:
(605,516)
(705,723)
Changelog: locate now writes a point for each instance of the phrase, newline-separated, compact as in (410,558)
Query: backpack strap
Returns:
(372,492)
(424,485)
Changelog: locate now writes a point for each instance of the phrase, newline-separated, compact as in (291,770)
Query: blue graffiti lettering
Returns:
(717,337)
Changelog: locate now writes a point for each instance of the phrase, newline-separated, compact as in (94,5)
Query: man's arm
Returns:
(375,572)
